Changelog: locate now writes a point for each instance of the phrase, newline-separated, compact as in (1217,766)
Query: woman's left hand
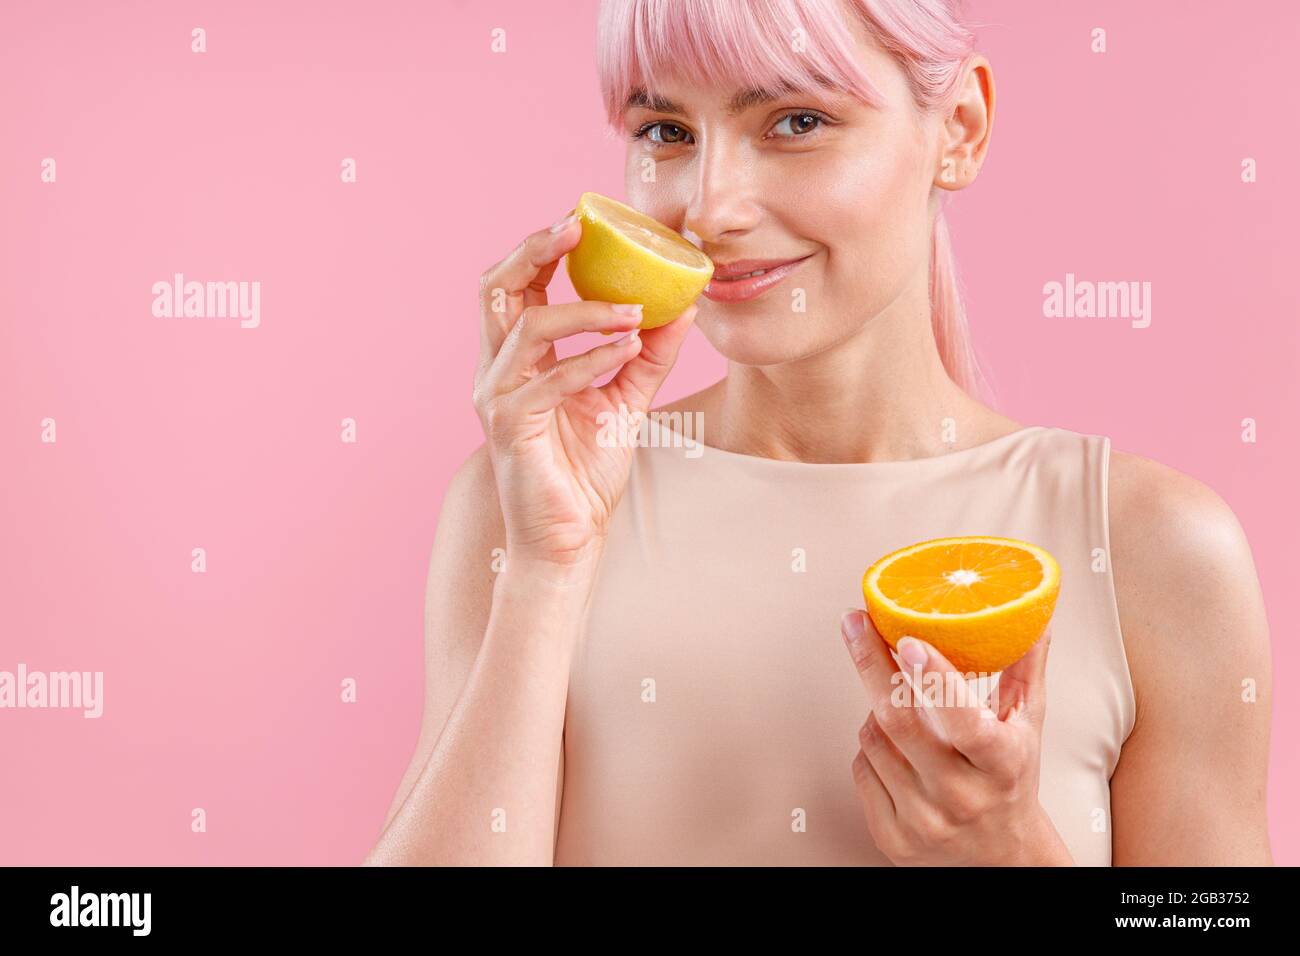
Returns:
(954,784)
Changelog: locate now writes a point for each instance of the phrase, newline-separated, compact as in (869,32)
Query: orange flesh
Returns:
(919,581)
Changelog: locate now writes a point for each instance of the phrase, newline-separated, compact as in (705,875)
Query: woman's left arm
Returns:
(1190,786)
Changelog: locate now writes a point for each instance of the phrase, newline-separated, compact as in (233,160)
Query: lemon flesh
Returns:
(625,256)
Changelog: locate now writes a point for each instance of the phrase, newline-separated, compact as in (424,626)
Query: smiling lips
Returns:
(748,278)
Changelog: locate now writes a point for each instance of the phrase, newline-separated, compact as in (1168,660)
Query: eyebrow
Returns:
(740,102)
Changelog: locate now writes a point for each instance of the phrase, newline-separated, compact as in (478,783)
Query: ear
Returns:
(964,139)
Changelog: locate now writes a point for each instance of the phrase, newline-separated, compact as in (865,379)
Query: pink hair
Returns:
(749,44)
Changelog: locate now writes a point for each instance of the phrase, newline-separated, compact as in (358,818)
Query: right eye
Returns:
(663,133)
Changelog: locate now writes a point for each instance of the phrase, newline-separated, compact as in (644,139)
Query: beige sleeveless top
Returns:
(713,709)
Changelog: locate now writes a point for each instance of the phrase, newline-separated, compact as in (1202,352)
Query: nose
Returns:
(722,206)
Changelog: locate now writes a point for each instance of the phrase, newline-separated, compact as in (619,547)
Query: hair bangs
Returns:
(767,45)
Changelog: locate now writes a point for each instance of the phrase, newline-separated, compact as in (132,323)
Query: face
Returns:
(837,189)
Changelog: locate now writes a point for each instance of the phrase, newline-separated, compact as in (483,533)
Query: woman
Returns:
(651,677)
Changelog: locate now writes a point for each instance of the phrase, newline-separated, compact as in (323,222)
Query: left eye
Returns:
(797,124)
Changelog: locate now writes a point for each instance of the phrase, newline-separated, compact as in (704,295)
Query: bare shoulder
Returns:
(1185,578)
(1190,785)
(1185,516)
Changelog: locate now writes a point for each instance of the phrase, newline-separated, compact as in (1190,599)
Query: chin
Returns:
(757,337)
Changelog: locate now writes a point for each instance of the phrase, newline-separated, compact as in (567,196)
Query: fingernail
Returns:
(852,628)
(625,339)
(622,309)
(912,652)
(565,222)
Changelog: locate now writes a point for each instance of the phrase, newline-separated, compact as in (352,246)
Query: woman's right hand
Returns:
(558,482)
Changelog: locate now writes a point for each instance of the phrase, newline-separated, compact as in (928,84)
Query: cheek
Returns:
(872,210)
(663,197)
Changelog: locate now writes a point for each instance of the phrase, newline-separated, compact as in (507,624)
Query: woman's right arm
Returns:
(484,785)
(497,653)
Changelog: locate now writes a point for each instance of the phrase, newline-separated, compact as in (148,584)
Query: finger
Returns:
(876,801)
(963,719)
(571,375)
(898,776)
(870,656)
(1022,688)
(639,381)
(534,336)
(519,281)
(907,719)
(902,716)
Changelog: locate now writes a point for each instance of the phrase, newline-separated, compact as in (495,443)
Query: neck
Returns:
(881,395)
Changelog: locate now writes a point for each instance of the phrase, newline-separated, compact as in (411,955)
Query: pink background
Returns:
(222,690)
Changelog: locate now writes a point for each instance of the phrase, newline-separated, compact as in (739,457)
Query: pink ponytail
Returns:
(948,318)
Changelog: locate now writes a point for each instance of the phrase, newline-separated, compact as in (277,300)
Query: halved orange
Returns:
(981,601)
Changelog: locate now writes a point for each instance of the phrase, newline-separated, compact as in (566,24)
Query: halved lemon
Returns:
(981,601)
(625,256)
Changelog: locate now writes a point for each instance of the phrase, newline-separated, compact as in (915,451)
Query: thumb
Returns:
(638,381)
